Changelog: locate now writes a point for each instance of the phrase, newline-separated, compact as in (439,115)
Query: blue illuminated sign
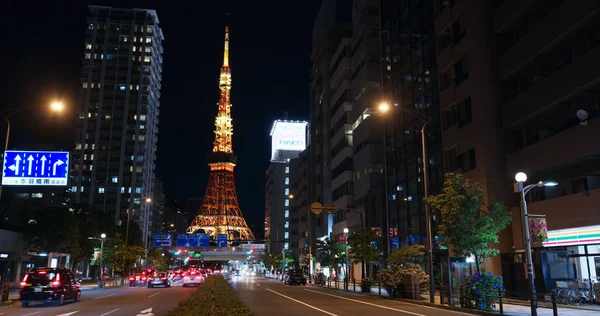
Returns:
(163,240)
(221,240)
(193,240)
(395,243)
(44,168)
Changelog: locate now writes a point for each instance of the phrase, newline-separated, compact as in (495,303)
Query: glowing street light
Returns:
(384,107)
(148,200)
(291,196)
(57,106)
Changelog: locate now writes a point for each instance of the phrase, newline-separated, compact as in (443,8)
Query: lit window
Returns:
(85,146)
(149,29)
(287,169)
(115,179)
(122,189)
(91,167)
(141,138)
(135,116)
(85,85)
(286,246)
(148,39)
(142,117)
(88,46)
(287,225)
(137,87)
(135,38)
(146,69)
(77,146)
(81,189)
(84,156)
(138,190)
(91,156)
(130,170)
(141,126)
(287,180)
(287,192)
(122,88)
(74,189)
(138,169)
(87,55)
(287,214)
(93,85)
(146,59)
(129,190)
(286,235)
(148,49)
(125,38)
(100,190)
(287,202)
(36,195)
(107,117)
(134,47)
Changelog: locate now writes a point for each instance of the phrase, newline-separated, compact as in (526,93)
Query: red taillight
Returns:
(144,278)
(163,278)
(42,272)
(23,283)
(131,278)
(55,283)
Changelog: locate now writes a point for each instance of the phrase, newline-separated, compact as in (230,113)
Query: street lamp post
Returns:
(383,109)
(347,263)
(423,118)
(55,106)
(101,270)
(521,178)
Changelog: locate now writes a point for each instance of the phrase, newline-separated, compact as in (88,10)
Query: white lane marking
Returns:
(299,302)
(255,282)
(99,297)
(366,303)
(149,296)
(31,313)
(68,314)
(108,313)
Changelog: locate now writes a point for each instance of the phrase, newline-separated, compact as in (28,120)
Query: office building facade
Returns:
(117,125)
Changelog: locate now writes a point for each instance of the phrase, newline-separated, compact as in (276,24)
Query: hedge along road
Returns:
(124,301)
(271,297)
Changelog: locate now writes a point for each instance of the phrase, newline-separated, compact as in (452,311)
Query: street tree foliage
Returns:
(414,254)
(363,248)
(118,256)
(91,223)
(331,254)
(158,259)
(470,225)
(53,229)
(275,261)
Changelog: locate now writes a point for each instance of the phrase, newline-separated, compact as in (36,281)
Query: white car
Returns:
(192,278)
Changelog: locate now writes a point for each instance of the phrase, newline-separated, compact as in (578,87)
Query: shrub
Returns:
(480,291)
(393,277)
(225,302)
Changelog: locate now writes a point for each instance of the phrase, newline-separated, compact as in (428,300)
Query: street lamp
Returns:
(347,263)
(521,177)
(102,238)
(55,106)
(384,107)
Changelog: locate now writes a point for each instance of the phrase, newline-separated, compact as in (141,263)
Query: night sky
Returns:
(42,48)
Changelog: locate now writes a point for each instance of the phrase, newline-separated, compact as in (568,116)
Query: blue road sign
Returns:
(163,240)
(187,240)
(204,240)
(221,240)
(45,168)
(395,243)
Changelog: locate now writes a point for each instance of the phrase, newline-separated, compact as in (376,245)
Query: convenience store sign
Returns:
(573,236)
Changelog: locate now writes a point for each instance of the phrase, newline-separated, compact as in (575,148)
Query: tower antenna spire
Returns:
(226,51)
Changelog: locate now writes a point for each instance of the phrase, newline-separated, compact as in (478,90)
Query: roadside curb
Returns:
(549,305)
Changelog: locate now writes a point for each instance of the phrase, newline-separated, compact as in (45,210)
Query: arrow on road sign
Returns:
(67,314)
(15,167)
(43,159)
(57,163)
(146,312)
(30,159)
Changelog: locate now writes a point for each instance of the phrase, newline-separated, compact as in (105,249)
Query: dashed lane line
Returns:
(108,313)
(99,297)
(300,302)
(149,296)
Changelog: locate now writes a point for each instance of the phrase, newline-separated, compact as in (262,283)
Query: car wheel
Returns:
(78,296)
(184,285)
(24,304)
(61,300)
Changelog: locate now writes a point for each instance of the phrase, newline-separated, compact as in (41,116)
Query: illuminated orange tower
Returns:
(220,211)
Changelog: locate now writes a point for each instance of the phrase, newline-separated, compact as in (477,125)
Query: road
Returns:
(271,297)
(124,301)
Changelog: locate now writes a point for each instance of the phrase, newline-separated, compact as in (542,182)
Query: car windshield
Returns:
(295,271)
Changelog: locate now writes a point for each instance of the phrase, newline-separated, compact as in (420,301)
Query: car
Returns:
(294,276)
(158,279)
(138,279)
(49,285)
(192,278)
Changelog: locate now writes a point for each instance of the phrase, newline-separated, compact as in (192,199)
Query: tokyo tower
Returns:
(220,211)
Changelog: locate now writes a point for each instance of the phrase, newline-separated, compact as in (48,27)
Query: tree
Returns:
(158,259)
(363,247)
(414,254)
(331,254)
(470,225)
(272,260)
(53,229)
(90,223)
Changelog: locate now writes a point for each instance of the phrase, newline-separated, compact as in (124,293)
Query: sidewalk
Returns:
(514,308)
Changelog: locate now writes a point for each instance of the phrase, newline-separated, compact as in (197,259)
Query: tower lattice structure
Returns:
(220,211)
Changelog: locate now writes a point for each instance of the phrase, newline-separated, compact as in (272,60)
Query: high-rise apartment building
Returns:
(288,140)
(117,126)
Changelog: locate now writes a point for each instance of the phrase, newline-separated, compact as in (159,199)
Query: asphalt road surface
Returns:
(271,297)
(124,301)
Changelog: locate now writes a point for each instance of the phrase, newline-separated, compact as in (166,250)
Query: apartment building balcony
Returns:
(569,211)
(341,72)
(557,27)
(570,146)
(508,13)
(574,78)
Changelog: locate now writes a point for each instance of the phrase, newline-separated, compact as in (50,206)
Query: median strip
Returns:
(300,302)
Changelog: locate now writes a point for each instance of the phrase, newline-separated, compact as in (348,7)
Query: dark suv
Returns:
(294,276)
(49,285)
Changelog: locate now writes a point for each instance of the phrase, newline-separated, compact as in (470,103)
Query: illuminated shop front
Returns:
(571,257)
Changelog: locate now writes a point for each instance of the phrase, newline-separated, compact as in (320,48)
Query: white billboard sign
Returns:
(288,136)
